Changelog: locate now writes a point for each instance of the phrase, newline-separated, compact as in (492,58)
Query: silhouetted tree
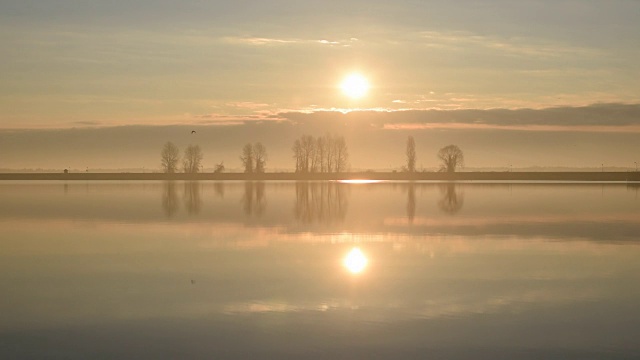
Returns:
(247,158)
(192,159)
(321,153)
(297,154)
(411,154)
(260,156)
(308,150)
(170,156)
(341,154)
(219,169)
(451,157)
(324,154)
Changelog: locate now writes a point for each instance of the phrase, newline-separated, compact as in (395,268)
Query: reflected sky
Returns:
(319,269)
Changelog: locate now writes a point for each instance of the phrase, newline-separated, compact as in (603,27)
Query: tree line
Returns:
(191,160)
(323,154)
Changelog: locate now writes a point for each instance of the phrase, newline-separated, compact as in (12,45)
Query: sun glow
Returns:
(355,261)
(355,86)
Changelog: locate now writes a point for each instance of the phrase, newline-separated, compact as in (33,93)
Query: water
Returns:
(235,270)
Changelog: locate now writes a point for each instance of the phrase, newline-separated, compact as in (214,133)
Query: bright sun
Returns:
(355,86)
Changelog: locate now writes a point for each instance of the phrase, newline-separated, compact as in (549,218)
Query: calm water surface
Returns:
(316,270)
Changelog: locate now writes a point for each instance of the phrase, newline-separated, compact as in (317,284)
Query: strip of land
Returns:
(394,176)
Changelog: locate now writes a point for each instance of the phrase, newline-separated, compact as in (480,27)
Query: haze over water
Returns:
(273,270)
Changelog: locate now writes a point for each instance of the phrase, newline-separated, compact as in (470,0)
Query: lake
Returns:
(317,270)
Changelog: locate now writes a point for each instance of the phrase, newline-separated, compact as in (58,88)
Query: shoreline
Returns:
(397,176)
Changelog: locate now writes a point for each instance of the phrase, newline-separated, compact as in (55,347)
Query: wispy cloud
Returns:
(517,46)
(265,41)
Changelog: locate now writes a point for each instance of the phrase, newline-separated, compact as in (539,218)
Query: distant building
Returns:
(66,171)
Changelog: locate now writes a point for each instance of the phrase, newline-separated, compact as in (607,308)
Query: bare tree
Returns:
(321,153)
(260,156)
(297,154)
(170,156)
(308,150)
(451,157)
(247,158)
(341,154)
(331,152)
(411,154)
(324,154)
(192,159)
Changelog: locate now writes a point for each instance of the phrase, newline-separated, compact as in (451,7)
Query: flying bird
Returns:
(193,131)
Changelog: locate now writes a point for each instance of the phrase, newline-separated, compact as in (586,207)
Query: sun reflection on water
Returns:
(355,261)
(359,181)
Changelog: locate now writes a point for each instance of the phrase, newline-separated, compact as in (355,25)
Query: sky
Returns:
(103,84)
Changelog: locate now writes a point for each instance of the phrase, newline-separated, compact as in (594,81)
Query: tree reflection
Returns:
(192,200)
(452,200)
(170,198)
(218,187)
(321,202)
(253,200)
(411,202)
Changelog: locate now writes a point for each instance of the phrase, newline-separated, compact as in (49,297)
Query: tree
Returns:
(219,168)
(169,157)
(411,154)
(451,157)
(341,154)
(307,143)
(323,154)
(260,156)
(247,158)
(192,159)
(297,154)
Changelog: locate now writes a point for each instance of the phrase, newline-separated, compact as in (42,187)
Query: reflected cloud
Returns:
(452,200)
(320,202)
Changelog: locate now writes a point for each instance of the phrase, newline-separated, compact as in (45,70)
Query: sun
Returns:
(355,86)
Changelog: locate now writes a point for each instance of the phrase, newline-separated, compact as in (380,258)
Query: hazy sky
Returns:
(261,66)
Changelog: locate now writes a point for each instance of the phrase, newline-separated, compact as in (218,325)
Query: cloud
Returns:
(265,41)
(592,118)
(259,41)
(516,46)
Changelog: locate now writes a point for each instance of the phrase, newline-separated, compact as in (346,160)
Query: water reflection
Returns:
(452,199)
(411,202)
(218,187)
(253,200)
(540,266)
(355,261)
(192,200)
(320,202)
(169,198)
